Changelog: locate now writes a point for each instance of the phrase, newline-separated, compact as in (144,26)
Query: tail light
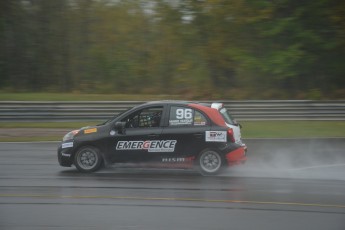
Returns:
(231,137)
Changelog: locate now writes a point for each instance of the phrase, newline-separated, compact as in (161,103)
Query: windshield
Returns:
(111,119)
(227,116)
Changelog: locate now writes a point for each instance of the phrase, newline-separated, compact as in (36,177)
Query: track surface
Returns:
(36,193)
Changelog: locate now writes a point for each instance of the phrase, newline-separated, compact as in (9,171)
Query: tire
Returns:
(88,159)
(210,162)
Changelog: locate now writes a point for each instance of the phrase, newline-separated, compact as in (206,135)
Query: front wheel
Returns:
(88,159)
(210,162)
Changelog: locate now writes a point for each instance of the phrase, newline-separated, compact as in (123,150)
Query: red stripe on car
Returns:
(213,114)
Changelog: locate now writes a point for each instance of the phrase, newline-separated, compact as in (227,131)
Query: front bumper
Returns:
(65,154)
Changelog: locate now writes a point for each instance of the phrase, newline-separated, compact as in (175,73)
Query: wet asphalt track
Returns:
(281,187)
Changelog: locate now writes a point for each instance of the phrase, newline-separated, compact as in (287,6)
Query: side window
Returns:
(199,119)
(149,117)
(184,116)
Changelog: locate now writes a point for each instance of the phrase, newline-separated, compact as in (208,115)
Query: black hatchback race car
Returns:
(173,134)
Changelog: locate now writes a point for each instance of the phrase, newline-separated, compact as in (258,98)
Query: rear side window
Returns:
(184,116)
(227,116)
(199,119)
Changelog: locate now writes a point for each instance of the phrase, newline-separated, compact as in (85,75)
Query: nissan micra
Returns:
(168,134)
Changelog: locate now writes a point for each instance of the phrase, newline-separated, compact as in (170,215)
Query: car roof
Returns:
(178,102)
(167,102)
(211,111)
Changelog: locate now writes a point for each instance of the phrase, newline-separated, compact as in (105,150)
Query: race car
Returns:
(171,134)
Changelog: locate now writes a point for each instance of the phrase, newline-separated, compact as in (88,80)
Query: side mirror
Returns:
(120,127)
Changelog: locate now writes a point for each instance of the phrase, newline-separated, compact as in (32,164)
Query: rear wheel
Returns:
(88,159)
(210,162)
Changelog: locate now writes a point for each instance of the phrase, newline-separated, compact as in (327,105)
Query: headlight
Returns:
(70,135)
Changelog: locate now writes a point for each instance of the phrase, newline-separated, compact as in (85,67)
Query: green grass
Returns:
(82,97)
(292,129)
(30,139)
(49,125)
(251,129)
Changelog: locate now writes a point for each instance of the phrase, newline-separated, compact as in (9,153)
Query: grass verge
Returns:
(293,129)
(31,139)
(251,129)
(49,125)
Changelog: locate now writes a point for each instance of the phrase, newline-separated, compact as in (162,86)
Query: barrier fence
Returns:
(102,110)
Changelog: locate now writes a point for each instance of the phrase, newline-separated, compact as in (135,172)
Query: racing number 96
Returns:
(184,114)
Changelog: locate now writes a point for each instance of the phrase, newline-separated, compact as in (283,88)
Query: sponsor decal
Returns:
(199,123)
(150,146)
(181,122)
(181,116)
(174,160)
(67,145)
(216,136)
(65,155)
(177,162)
(88,131)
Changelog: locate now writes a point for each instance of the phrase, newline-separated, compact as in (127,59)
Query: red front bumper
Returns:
(237,156)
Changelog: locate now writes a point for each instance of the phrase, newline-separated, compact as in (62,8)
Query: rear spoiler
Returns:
(217,106)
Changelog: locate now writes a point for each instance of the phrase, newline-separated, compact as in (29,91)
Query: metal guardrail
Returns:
(103,110)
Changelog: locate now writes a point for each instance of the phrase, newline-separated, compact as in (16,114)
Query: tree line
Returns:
(239,49)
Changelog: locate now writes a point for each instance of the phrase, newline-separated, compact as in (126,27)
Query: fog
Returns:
(293,158)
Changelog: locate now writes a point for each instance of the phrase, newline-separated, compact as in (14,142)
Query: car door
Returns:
(142,128)
(188,127)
